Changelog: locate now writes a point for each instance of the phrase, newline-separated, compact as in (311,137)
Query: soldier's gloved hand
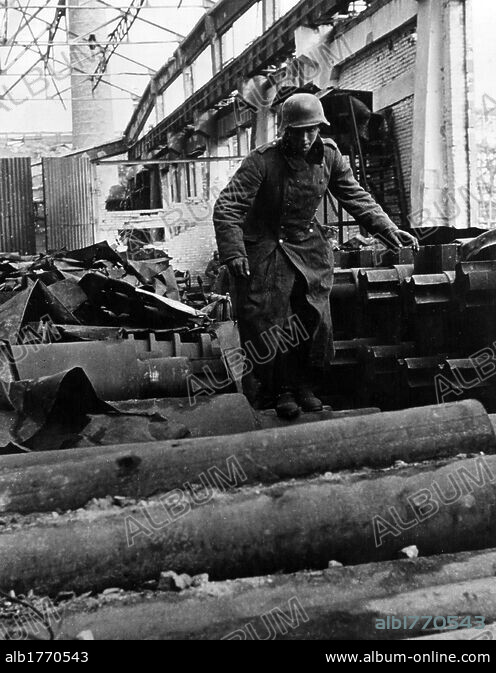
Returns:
(398,238)
(239,267)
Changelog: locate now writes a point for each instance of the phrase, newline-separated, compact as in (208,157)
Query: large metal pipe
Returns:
(113,368)
(258,530)
(338,603)
(69,479)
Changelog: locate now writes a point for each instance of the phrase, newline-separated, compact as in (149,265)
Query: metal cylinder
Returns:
(256,531)
(163,377)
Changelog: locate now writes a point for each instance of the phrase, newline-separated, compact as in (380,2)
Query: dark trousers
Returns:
(292,368)
(277,340)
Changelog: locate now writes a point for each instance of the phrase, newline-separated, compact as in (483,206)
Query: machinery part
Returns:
(356,258)
(475,291)
(112,367)
(475,245)
(464,378)
(383,359)
(344,286)
(373,258)
(418,377)
(381,382)
(475,284)
(433,316)
(344,374)
(169,344)
(347,351)
(61,480)
(434,259)
(159,377)
(444,234)
(346,309)
(430,290)
(380,293)
(378,285)
(400,257)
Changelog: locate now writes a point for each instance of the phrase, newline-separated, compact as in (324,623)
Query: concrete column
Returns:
(443,159)
(92,117)
(270,11)
(266,125)
(188,82)
(216,54)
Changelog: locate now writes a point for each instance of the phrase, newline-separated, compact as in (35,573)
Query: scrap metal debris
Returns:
(83,326)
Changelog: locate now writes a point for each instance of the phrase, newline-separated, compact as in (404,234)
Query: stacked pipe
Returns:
(180,515)
(198,518)
(341,603)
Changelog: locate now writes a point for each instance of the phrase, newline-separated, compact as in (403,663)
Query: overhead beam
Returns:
(275,43)
(217,20)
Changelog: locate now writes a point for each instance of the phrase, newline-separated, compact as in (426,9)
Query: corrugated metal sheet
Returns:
(16,206)
(69,203)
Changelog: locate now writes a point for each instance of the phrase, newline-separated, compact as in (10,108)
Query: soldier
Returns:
(212,270)
(268,235)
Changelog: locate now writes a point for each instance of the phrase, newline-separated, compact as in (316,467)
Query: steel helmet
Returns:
(302,109)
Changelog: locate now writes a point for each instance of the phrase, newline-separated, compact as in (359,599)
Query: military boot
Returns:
(307,400)
(286,406)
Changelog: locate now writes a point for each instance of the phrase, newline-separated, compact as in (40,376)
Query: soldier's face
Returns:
(301,139)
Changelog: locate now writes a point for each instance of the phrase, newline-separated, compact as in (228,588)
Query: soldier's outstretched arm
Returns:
(362,206)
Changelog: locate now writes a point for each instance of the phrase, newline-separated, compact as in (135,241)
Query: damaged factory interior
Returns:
(248,321)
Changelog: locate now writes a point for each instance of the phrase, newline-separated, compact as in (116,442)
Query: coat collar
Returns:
(314,156)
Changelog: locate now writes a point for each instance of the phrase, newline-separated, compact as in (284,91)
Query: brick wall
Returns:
(192,248)
(188,229)
(378,66)
(403,124)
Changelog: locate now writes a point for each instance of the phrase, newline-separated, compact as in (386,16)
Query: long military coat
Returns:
(267,213)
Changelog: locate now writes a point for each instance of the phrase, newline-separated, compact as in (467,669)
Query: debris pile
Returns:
(83,326)
(161,519)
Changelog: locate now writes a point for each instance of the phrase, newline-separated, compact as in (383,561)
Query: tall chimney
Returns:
(92,117)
